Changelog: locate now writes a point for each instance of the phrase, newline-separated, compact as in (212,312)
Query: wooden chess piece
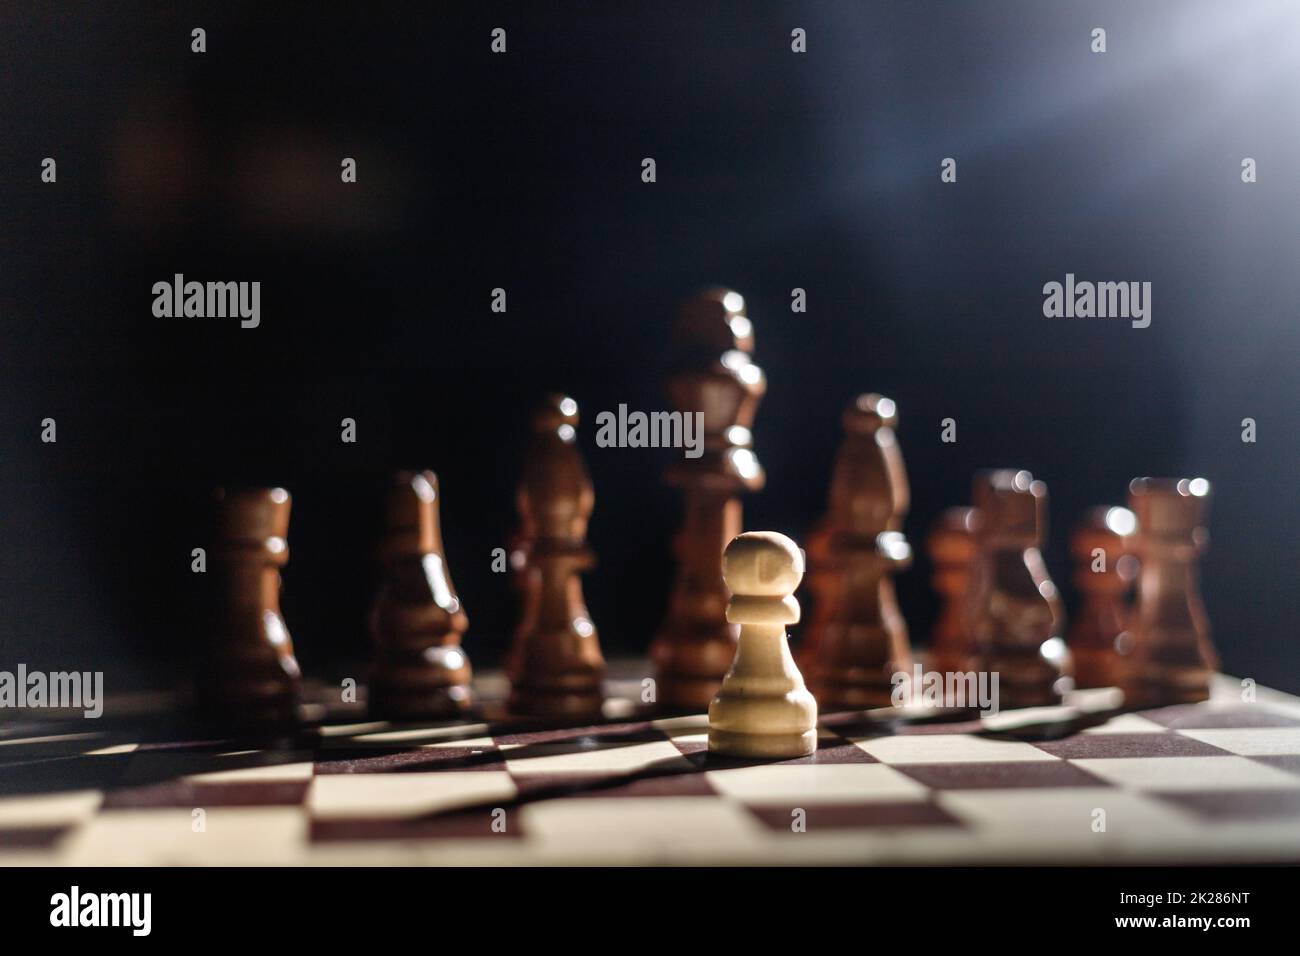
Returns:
(249,676)
(821,582)
(1014,615)
(860,643)
(952,549)
(558,666)
(526,584)
(420,671)
(763,709)
(1171,660)
(716,376)
(1103,576)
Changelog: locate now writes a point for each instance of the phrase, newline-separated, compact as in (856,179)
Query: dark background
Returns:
(775,170)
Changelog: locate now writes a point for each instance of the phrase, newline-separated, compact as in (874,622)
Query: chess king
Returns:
(763,710)
(714,375)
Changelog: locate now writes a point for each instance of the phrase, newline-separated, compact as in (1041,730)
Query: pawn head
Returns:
(1011,503)
(952,537)
(714,321)
(869,413)
(556,414)
(762,564)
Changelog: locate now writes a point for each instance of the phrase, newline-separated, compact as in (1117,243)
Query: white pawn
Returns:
(763,708)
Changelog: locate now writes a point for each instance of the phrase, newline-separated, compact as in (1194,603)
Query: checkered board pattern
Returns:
(1217,781)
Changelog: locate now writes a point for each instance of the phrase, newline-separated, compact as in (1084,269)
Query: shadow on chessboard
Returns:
(171,761)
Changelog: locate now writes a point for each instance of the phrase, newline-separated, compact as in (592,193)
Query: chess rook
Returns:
(249,677)
(1171,659)
(858,642)
(557,666)
(420,671)
(763,710)
(695,644)
(1014,617)
(952,549)
(1103,576)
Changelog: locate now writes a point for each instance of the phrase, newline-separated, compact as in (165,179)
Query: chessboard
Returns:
(1212,782)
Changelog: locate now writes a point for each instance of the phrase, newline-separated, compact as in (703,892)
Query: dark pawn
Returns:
(249,677)
(1172,660)
(859,642)
(694,647)
(951,546)
(1103,576)
(420,671)
(1014,616)
(557,665)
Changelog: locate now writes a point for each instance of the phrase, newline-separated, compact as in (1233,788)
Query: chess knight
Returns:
(1014,619)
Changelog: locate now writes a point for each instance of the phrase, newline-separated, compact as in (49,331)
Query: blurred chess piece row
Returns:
(249,677)
(1004,615)
(1000,609)
(1140,624)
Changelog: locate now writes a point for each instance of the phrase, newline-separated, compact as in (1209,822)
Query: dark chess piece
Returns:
(1103,575)
(420,671)
(821,582)
(1014,615)
(695,645)
(951,546)
(1171,660)
(859,642)
(524,582)
(249,677)
(558,668)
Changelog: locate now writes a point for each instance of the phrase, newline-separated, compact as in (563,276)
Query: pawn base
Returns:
(1143,693)
(833,698)
(527,701)
(764,746)
(678,692)
(1097,667)
(414,704)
